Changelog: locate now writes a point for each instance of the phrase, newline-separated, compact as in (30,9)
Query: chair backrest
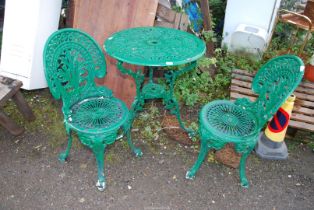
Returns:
(72,60)
(274,83)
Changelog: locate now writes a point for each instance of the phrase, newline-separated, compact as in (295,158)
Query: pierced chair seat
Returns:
(240,122)
(96,114)
(224,118)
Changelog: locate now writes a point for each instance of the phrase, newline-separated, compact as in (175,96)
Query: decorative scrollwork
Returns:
(91,140)
(138,76)
(171,76)
(97,114)
(274,83)
(225,118)
(72,60)
(154,46)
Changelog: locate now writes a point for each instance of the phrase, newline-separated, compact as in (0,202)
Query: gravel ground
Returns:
(31,177)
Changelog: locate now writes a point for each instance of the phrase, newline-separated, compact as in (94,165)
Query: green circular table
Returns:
(155,47)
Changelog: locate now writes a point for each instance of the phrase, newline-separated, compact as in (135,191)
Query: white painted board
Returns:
(27,26)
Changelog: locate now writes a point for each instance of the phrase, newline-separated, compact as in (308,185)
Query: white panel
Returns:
(27,25)
(47,24)
(258,13)
(18,33)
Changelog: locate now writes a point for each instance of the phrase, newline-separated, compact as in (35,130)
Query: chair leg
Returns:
(137,151)
(64,155)
(190,174)
(243,179)
(99,150)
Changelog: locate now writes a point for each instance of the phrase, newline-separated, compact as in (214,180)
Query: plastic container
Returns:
(249,39)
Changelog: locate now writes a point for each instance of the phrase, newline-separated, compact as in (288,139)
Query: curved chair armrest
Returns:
(287,16)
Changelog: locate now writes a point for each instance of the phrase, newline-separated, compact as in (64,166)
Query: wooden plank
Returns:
(242,87)
(301,125)
(23,107)
(302,89)
(303,111)
(296,108)
(242,77)
(304,96)
(184,22)
(307,85)
(239,73)
(8,87)
(234,96)
(161,23)
(166,17)
(304,103)
(207,25)
(101,18)
(165,13)
(243,72)
(241,83)
(302,118)
(245,91)
(10,125)
(177,20)
(302,93)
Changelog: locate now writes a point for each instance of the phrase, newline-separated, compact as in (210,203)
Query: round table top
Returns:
(154,46)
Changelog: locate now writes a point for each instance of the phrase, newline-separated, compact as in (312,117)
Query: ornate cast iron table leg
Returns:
(170,101)
(138,77)
(152,90)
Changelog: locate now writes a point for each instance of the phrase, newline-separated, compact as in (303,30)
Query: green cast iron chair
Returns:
(72,60)
(240,122)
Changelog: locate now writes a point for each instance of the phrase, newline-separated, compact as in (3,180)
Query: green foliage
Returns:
(198,86)
(49,119)
(177,8)
(226,62)
(149,123)
(283,39)
(311,145)
(217,8)
(209,36)
(288,4)
(195,85)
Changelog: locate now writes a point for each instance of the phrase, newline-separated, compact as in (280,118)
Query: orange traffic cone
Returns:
(271,143)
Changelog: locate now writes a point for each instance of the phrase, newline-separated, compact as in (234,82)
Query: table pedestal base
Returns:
(152,90)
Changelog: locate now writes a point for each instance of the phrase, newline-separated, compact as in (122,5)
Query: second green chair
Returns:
(222,122)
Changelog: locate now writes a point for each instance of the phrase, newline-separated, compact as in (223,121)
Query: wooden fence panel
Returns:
(101,18)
